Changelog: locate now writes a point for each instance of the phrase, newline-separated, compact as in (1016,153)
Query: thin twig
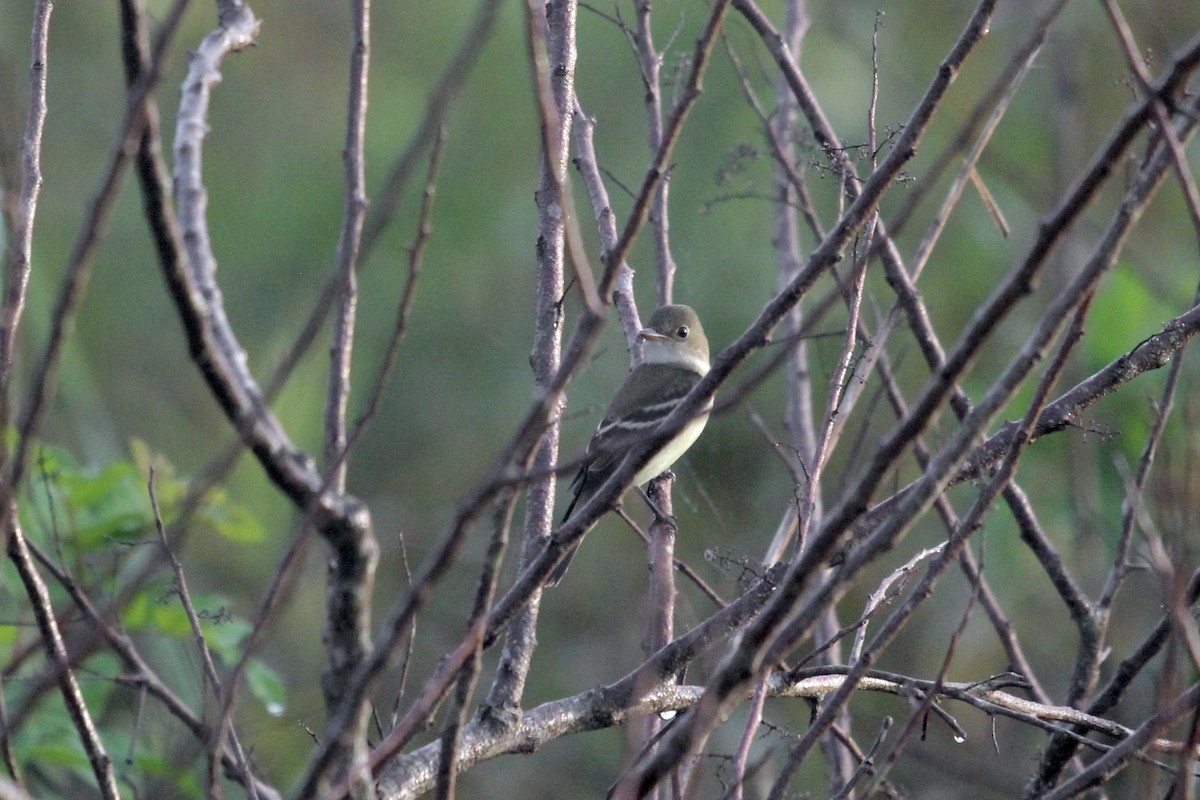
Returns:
(866,766)
(885,594)
(502,707)
(19,249)
(606,227)
(1119,756)
(215,742)
(355,551)
(500,523)
(650,63)
(918,715)
(56,652)
(644,690)
(354,210)
(140,675)
(660,593)
(79,264)
(690,734)
(742,754)
(416,254)
(413,773)
(385,205)
(517,454)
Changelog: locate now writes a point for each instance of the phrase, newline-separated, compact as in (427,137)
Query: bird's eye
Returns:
(682,331)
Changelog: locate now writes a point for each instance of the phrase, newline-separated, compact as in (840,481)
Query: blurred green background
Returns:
(274,176)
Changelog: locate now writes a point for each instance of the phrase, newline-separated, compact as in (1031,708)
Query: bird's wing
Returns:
(648,395)
(646,404)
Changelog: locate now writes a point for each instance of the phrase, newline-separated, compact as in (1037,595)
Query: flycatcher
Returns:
(675,358)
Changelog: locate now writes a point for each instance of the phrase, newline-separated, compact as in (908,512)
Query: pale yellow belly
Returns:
(663,459)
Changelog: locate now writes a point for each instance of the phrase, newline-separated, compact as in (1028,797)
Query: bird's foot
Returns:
(660,516)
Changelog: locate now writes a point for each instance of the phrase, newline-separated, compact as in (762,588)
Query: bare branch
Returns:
(732,677)
(19,250)
(56,652)
(502,708)
(349,241)
(79,265)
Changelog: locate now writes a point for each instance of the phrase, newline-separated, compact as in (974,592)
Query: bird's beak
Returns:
(651,335)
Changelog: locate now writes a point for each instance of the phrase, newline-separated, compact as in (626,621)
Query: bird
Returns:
(675,358)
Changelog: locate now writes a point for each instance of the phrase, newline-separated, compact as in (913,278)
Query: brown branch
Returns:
(386,202)
(1081,287)
(609,706)
(970,523)
(416,254)
(341,519)
(1061,413)
(980,112)
(500,523)
(754,718)
(689,94)
(641,691)
(441,96)
(502,706)
(1133,664)
(1183,172)
(19,250)
(754,338)
(515,458)
(661,594)
(689,735)
(986,695)
(209,669)
(650,64)
(1118,757)
(606,227)
(192,279)
(10,760)
(686,570)
(348,247)
(968,168)
(903,281)
(139,674)
(1090,657)
(1005,631)
(80,262)
(726,361)
(1064,413)
(921,710)
(351,577)
(56,652)
(553,92)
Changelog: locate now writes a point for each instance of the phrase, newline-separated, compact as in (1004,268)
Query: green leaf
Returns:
(266,685)
(62,751)
(51,742)
(224,637)
(43,504)
(1124,311)
(151,764)
(232,521)
(8,635)
(50,461)
(157,609)
(113,503)
(92,507)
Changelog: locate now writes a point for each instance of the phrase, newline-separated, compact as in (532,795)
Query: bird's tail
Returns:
(561,569)
(557,575)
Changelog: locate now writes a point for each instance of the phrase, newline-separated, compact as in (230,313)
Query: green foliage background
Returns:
(273,170)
